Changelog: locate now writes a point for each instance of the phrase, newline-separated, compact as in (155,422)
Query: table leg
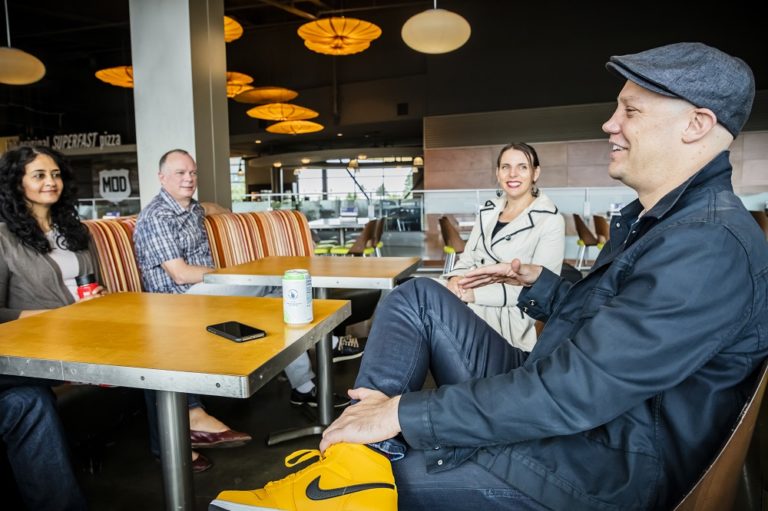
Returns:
(324,373)
(175,450)
(324,390)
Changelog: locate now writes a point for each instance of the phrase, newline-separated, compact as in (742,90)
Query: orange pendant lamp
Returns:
(120,76)
(232,29)
(294,127)
(281,112)
(338,36)
(237,83)
(266,94)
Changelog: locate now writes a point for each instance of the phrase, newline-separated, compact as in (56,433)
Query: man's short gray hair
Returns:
(167,154)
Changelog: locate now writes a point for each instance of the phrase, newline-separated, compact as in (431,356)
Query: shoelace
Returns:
(348,340)
(294,459)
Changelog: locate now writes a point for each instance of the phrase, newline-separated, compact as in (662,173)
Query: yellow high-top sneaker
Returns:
(348,477)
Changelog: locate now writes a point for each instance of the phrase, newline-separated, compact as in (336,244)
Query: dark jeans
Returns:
(421,327)
(363,302)
(36,447)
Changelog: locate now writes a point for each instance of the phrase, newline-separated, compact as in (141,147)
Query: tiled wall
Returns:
(578,164)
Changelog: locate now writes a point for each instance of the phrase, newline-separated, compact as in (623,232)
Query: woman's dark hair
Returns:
(530,155)
(15,212)
(528,151)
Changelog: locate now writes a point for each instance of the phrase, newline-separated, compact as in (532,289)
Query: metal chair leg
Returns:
(450,258)
(580,258)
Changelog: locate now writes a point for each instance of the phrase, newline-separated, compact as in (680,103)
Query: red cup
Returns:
(86,285)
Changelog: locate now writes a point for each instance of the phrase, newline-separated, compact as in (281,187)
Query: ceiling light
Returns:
(241,78)
(305,161)
(232,29)
(233,89)
(267,94)
(418,161)
(277,164)
(338,36)
(18,67)
(281,112)
(362,156)
(257,141)
(294,127)
(121,76)
(237,83)
(436,31)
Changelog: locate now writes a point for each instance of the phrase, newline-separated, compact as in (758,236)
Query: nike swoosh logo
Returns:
(314,492)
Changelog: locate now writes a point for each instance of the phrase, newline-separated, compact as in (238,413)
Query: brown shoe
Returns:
(228,438)
(201,464)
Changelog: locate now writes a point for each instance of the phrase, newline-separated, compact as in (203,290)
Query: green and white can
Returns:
(297,297)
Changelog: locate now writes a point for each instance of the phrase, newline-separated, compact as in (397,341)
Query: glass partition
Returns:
(93,208)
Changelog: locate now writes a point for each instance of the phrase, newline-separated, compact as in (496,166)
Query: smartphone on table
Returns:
(236,331)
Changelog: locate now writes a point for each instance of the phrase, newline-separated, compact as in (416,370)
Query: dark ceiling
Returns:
(520,55)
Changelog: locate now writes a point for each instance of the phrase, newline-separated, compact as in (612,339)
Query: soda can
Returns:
(297,297)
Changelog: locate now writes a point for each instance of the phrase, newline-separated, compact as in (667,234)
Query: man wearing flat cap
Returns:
(641,370)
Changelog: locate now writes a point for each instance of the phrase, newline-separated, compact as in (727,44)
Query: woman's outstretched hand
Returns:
(514,273)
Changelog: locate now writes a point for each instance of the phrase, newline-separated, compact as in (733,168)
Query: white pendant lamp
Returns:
(18,67)
(436,31)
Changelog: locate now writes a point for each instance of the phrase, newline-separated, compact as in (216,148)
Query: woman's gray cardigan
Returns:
(30,280)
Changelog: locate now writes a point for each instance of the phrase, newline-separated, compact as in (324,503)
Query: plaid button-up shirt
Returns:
(166,231)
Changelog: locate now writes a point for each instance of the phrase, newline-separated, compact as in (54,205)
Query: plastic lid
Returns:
(88,278)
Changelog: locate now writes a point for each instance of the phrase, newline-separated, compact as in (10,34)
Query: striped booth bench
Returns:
(234,238)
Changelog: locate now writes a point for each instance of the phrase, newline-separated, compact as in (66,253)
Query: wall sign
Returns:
(89,140)
(114,184)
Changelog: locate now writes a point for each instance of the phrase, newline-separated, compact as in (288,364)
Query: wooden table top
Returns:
(159,341)
(339,272)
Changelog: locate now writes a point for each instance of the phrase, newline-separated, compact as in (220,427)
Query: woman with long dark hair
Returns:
(44,244)
(43,248)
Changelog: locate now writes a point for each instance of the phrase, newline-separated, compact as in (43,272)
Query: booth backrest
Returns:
(235,238)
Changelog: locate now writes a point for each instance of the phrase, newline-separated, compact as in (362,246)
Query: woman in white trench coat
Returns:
(521,223)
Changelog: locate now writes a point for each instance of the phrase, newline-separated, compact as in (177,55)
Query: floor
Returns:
(118,473)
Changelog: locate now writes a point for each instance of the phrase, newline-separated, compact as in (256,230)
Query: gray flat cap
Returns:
(704,76)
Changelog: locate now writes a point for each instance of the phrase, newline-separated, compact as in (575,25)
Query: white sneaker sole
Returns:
(223,505)
(341,358)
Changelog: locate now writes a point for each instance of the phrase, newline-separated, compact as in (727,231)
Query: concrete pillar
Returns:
(179,65)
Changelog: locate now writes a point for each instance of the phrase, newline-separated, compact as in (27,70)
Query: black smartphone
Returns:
(236,331)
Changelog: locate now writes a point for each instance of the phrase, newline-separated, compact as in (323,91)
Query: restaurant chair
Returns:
(762,220)
(716,489)
(363,245)
(586,239)
(602,228)
(452,242)
(322,247)
(377,234)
